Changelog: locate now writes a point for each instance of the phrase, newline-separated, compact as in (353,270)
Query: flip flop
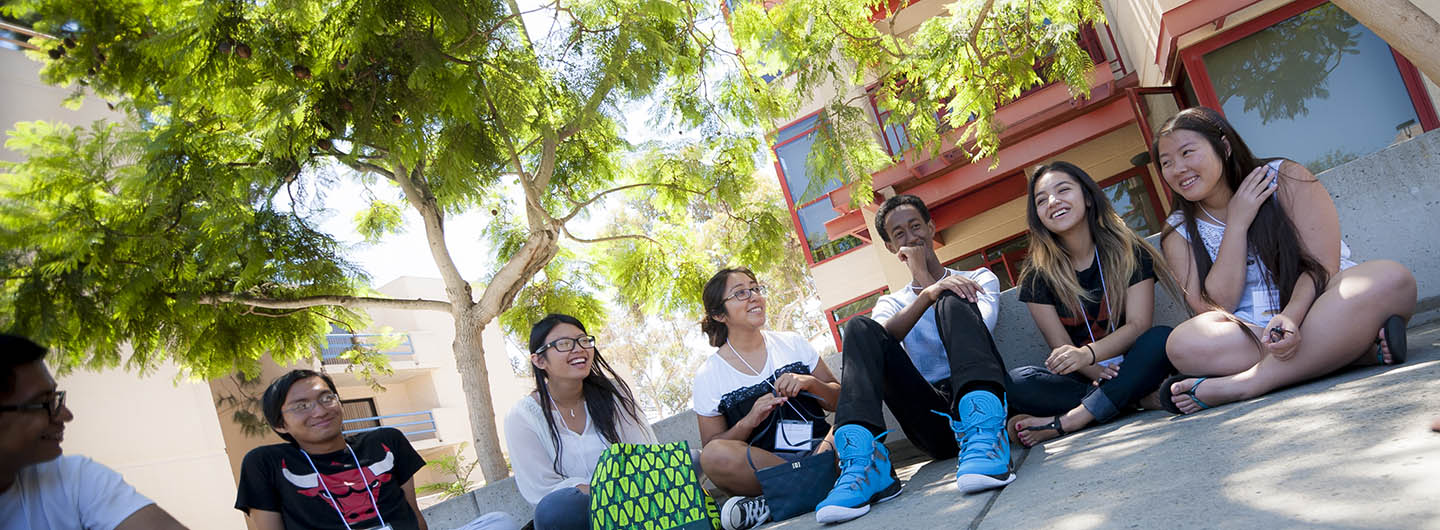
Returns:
(1054,425)
(1395,337)
(1166,394)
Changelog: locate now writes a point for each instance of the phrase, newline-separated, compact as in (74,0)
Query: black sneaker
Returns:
(744,513)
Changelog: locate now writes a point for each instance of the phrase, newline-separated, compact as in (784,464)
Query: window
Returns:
(352,409)
(1004,259)
(1317,87)
(806,193)
(838,316)
(1135,200)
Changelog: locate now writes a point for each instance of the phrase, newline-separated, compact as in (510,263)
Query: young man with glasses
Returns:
(39,488)
(926,351)
(319,478)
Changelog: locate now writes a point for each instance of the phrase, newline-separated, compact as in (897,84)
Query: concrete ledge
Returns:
(1384,200)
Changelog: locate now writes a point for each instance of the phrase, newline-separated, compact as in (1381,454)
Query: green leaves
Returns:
(382,218)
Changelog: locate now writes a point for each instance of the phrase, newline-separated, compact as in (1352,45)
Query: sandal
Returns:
(1395,336)
(1166,394)
(1054,425)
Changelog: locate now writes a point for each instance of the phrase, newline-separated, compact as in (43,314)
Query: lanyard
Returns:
(766,380)
(1104,300)
(335,503)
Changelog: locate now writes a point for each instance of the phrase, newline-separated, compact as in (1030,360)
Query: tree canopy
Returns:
(187,232)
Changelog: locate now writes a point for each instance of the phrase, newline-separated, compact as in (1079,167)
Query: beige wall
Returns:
(26,98)
(162,434)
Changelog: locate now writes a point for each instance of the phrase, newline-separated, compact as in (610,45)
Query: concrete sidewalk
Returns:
(1352,450)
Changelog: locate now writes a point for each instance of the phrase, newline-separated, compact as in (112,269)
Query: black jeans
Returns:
(878,370)
(1039,392)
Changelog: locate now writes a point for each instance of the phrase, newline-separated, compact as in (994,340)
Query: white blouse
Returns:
(532,452)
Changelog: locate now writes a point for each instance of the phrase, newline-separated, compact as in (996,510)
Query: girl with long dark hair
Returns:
(1256,246)
(557,433)
(763,394)
(1089,283)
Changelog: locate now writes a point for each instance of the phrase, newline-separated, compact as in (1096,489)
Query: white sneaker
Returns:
(744,513)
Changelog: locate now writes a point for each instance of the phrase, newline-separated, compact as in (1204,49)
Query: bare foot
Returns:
(1031,437)
(1188,404)
(1368,358)
(1151,401)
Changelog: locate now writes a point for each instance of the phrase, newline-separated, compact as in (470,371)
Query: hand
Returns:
(913,258)
(1068,358)
(965,288)
(584,488)
(1253,192)
(762,408)
(1100,372)
(790,385)
(1281,337)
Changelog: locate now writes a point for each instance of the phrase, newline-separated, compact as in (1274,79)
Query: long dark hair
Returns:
(1115,244)
(1272,236)
(602,389)
(713,298)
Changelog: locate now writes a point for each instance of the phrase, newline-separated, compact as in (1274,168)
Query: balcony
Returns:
(339,343)
(426,429)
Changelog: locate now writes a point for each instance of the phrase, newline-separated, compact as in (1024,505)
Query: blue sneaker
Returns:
(866,476)
(984,461)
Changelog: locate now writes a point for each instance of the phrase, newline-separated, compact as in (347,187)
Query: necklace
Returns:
(557,405)
(1211,215)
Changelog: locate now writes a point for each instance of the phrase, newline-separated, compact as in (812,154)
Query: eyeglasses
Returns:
(328,399)
(745,294)
(568,344)
(52,405)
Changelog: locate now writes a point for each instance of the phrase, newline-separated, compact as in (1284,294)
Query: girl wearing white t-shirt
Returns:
(748,395)
(557,433)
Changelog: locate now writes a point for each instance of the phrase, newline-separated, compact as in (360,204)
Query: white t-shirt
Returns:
(70,492)
(923,344)
(716,378)
(532,452)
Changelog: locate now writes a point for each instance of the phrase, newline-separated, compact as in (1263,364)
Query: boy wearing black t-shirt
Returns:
(322,479)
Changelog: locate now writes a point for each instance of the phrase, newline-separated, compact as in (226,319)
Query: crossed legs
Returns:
(1340,327)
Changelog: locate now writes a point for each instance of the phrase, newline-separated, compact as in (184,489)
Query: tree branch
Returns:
(607,238)
(419,196)
(320,301)
(582,205)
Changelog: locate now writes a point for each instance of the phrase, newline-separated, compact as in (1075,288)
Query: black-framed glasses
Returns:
(568,344)
(328,399)
(51,405)
(745,294)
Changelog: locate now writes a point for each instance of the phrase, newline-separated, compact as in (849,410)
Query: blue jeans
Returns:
(563,509)
(1039,392)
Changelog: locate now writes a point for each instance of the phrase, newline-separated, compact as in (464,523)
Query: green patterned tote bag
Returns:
(649,487)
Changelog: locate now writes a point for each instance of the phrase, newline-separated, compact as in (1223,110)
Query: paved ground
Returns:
(1353,450)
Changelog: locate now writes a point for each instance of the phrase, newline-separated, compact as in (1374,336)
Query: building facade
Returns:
(1299,78)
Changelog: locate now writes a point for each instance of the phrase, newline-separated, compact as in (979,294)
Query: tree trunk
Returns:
(475,380)
(1411,31)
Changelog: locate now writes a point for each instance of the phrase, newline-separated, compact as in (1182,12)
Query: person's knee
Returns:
(1392,277)
(859,327)
(1024,373)
(562,509)
(720,458)
(1184,343)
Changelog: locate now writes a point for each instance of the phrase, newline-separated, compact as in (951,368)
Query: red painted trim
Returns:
(877,13)
(1062,136)
(1420,97)
(995,193)
(1189,17)
(989,264)
(1136,94)
(835,325)
(1020,118)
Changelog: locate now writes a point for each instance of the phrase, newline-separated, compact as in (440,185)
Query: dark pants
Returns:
(877,370)
(1039,392)
(563,509)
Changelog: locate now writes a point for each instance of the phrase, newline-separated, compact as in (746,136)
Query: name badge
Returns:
(795,431)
